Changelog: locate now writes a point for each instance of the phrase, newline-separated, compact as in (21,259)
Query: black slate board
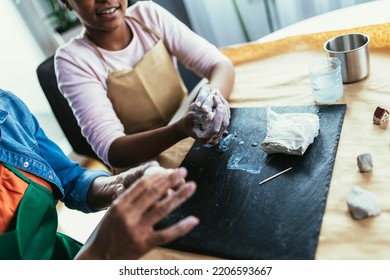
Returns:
(240,219)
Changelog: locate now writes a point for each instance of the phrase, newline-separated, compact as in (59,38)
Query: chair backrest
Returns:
(61,109)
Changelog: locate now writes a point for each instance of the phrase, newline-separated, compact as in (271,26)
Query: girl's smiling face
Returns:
(99,15)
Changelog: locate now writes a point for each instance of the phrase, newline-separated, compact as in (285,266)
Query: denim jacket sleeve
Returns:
(74,179)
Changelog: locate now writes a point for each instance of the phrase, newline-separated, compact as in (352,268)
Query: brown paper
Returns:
(276,73)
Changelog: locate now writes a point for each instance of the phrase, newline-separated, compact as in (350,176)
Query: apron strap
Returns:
(147,28)
(150,30)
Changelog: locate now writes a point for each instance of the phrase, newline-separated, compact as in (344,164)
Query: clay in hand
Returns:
(211,114)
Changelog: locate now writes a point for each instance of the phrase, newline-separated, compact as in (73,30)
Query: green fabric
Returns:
(35,235)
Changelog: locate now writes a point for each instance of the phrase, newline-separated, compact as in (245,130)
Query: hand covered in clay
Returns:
(127,230)
(104,190)
(211,113)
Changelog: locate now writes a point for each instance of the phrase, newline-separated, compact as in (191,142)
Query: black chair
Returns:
(61,109)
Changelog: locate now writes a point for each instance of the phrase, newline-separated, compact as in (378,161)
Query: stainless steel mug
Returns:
(352,50)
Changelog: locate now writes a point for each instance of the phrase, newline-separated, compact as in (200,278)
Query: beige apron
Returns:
(146,97)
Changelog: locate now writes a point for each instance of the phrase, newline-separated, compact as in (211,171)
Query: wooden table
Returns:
(270,72)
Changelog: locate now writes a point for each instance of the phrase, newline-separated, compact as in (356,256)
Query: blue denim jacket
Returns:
(23,144)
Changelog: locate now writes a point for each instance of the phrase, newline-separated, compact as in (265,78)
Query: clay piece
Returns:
(362,204)
(156,169)
(381,116)
(290,133)
(364,162)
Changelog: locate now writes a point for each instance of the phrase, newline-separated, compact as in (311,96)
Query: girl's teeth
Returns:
(108,11)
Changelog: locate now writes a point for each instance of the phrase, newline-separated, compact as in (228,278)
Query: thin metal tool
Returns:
(276,175)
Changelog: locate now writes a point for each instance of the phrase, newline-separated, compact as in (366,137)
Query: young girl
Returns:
(120,78)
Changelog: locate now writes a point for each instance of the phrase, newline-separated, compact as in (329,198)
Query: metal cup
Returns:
(352,50)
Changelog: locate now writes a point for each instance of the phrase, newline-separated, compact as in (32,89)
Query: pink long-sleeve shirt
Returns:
(82,75)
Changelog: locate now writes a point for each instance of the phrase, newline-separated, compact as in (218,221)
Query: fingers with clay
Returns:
(204,101)
(211,114)
(202,95)
(222,103)
(203,119)
(210,129)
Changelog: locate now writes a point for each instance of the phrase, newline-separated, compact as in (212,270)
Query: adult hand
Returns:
(104,190)
(127,230)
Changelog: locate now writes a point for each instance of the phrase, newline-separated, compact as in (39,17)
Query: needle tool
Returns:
(274,176)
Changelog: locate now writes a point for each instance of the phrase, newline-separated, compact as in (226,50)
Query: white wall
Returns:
(20,56)
(33,14)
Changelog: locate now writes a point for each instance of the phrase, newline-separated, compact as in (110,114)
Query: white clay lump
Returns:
(156,169)
(362,204)
(290,133)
